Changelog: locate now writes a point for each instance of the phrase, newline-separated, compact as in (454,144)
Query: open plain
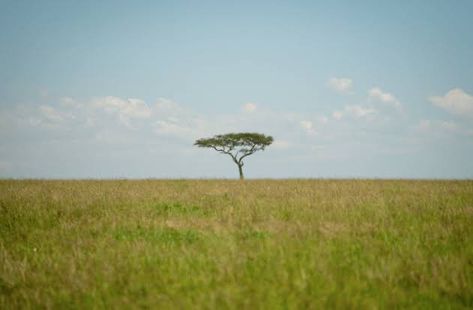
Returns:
(236,244)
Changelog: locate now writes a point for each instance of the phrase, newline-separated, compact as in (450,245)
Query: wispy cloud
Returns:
(341,85)
(379,95)
(356,112)
(132,128)
(106,116)
(442,127)
(50,114)
(125,110)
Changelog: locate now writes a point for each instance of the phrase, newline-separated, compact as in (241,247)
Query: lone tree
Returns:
(237,145)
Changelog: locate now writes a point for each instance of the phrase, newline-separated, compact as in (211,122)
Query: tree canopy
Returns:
(237,145)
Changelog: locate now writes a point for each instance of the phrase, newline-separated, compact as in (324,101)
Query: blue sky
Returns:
(108,89)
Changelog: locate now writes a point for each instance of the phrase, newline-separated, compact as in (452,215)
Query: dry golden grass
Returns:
(232,244)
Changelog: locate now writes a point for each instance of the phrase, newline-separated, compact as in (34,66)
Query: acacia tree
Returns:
(237,145)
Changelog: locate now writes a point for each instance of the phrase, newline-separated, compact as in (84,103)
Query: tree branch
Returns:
(248,153)
(226,152)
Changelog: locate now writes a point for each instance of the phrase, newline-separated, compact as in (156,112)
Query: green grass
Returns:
(230,244)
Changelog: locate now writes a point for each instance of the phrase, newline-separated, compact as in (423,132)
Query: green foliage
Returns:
(237,145)
(207,244)
(245,141)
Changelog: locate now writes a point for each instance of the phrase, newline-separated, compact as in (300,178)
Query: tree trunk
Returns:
(240,169)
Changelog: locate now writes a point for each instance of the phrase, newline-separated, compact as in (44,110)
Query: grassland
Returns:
(229,244)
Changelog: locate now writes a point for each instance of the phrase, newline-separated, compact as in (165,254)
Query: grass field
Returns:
(229,244)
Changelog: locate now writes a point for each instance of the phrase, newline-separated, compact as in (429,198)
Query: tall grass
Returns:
(231,244)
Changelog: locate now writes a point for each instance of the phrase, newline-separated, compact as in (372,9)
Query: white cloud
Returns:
(69,102)
(355,111)
(358,111)
(51,117)
(164,132)
(310,126)
(164,105)
(341,85)
(136,108)
(132,107)
(378,94)
(456,102)
(428,125)
(51,114)
(249,107)
(125,109)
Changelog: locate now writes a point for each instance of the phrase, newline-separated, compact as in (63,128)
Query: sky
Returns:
(348,89)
